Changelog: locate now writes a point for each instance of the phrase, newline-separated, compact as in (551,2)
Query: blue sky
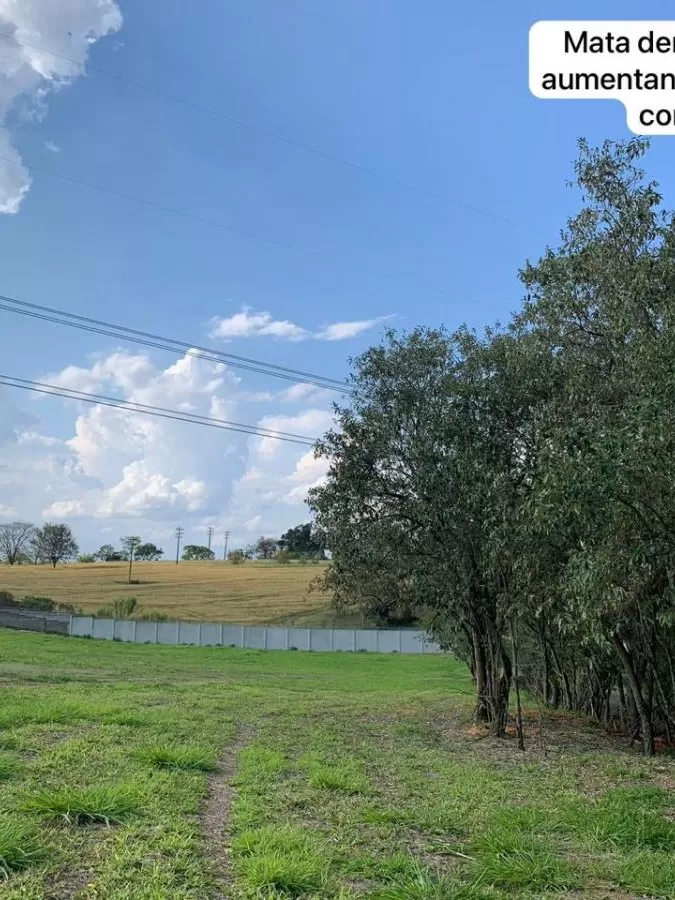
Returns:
(435,96)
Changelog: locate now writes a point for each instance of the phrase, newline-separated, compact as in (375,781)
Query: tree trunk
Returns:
(643,710)
(516,674)
(482,711)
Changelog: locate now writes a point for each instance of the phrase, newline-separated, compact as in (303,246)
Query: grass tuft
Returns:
(183,758)
(286,860)
(626,818)
(19,848)
(512,861)
(420,884)
(86,806)
(8,767)
(338,778)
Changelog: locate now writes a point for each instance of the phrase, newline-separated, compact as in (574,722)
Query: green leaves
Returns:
(530,472)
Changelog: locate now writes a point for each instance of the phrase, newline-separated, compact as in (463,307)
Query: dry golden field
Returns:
(207,591)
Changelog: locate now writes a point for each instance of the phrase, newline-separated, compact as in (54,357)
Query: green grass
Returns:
(186,758)
(350,776)
(285,860)
(8,766)
(85,806)
(19,848)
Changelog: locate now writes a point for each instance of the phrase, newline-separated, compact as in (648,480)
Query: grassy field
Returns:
(158,773)
(208,591)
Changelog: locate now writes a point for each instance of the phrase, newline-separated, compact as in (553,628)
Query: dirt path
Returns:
(215,814)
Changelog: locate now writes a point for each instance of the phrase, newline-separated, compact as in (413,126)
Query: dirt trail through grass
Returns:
(215,814)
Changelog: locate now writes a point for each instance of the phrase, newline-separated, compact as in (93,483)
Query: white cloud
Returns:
(311,424)
(248,323)
(27,75)
(7,512)
(52,147)
(341,331)
(108,467)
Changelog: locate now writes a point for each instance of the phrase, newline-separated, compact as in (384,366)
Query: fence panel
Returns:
(321,639)
(34,620)
(277,638)
(208,634)
(255,637)
(146,632)
(104,629)
(366,640)
(167,633)
(388,641)
(211,635)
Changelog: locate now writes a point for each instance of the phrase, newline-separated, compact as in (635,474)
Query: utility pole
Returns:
(179,535)
(209,532)
(227,538)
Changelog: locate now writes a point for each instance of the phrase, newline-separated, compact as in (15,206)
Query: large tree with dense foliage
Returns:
(197,551)
(518,486)
(303,541)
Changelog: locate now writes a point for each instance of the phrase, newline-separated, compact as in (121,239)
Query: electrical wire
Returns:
(171,345)
(272,135)
(160,411)
(233,229)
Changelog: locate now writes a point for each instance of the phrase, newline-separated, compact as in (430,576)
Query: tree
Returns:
(236,557)
(197,551)
(266,547)
(15,540)
(518,487)
(149,552)
(421,477)
(36,549)
(303,541)
(130,545)
(57,543)
(107,553)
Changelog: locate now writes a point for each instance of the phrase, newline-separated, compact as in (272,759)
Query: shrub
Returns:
(236,557)
(7,599)
(69,608)
(120,609)
(153,615)
(283,556)
(44,604)
(86,558)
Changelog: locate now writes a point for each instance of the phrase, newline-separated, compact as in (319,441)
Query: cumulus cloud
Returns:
(251,324)
(106,468)
(68,28)
(248,323)
(52,147)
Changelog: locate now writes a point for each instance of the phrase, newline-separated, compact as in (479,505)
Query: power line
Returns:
(160,411)
(233,229)
(171,345)
(272,135)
